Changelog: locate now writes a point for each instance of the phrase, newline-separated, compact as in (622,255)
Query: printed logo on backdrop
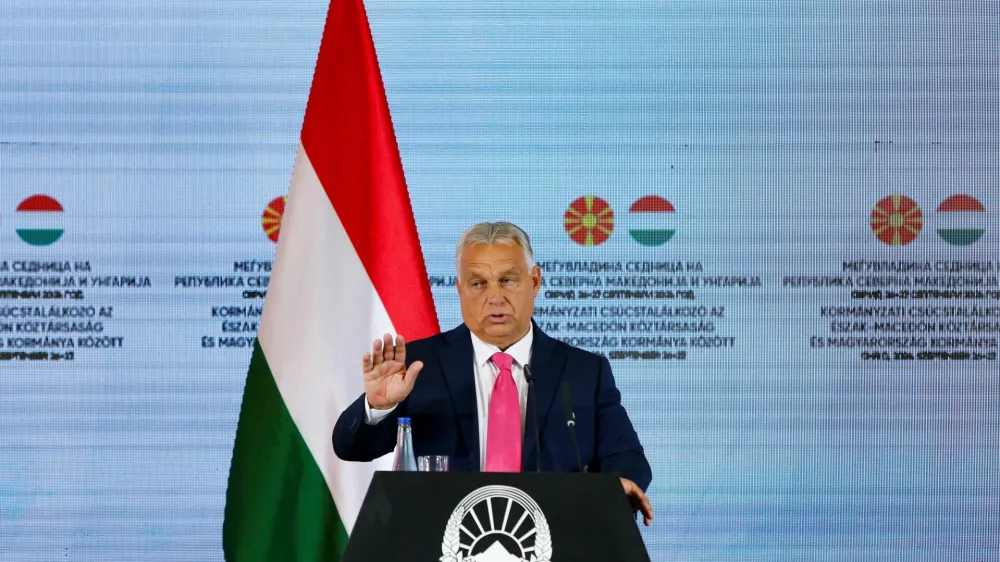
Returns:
(39,220)
(960,220)
(896,220)
(497,524)
(270,221)
(651,220)
(589,221)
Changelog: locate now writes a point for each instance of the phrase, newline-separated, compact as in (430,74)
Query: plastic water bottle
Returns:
(405,459)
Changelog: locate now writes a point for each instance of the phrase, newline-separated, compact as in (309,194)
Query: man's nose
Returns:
(494,295)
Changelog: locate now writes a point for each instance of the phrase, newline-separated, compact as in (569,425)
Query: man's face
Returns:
(497,290)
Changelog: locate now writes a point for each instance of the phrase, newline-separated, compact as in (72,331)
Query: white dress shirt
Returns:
(486,375)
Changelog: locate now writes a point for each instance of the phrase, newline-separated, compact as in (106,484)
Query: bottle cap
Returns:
(404,421)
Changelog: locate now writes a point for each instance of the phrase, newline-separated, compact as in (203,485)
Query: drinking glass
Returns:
(432,463)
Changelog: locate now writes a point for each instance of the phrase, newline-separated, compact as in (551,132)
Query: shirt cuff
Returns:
(373,416)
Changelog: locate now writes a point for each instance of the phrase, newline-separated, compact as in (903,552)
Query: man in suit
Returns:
(470,402)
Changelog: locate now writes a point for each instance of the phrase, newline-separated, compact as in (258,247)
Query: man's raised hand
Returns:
(387,380)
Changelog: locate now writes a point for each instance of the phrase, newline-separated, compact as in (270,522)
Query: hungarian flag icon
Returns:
(651,220)
(39,220)
(961,220)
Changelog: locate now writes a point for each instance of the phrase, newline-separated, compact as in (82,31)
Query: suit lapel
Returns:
(547,362)
(456,364)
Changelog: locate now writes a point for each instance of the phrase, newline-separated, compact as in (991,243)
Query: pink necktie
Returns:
(503,430)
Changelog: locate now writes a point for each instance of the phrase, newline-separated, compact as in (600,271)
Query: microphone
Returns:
(567,394)
(533,398)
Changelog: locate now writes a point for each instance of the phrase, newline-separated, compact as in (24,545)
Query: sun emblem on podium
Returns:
(497,524)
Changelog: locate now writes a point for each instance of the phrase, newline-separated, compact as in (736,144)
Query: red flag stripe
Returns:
(651,204)
(348,136)
(39,203)
(960,202)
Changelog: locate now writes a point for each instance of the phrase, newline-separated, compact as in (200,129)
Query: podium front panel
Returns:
(487,517)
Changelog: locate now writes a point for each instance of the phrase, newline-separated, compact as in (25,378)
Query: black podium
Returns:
(495,517)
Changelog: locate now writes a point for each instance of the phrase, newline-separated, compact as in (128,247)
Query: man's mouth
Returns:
(497,318)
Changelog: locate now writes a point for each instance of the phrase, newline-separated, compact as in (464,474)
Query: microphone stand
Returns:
(533,398)
(567,394)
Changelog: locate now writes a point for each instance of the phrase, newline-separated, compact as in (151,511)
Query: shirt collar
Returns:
(520,351)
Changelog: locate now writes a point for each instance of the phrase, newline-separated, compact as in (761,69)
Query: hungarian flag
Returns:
(961,220)
(39,219)
(651,220)
(348,268)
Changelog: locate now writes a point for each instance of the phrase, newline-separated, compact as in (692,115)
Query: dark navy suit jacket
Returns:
(445,418)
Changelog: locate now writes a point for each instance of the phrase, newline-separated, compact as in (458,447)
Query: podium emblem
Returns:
(497,524)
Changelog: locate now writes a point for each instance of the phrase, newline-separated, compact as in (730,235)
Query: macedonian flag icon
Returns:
(896,220)
(271,219)
(589,220)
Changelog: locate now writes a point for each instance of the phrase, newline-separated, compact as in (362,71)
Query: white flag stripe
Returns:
(651,221)
(40,220)
(960,219)
(321,314)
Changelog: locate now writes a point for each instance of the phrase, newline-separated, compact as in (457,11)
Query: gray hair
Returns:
(489,233)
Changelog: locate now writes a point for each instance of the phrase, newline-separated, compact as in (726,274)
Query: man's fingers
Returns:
(366,363)
(641,502)
(638,500)
(400,350)
(387,349)
(646,508)
(385,369)
(412,372)
(377,353)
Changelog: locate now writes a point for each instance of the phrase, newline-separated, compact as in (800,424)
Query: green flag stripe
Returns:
(278,506)
(651,237)
(39,236)
(960,236)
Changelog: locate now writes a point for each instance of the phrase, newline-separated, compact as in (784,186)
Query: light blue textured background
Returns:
(164,128)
